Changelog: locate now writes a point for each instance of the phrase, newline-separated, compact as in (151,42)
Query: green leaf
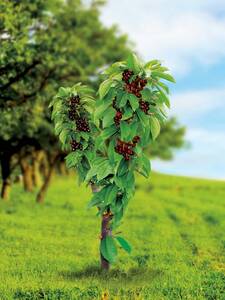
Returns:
(105,87)
(54,101)
(99,112)
(64,136)
(115,68)
(84,135)
(111,194)
(123,167)
(125,130)
(143,166)
(72,159)
(164,98)
(108,132)
(95,167)
(163,86)
(146,94)
(103,170)
(146,136)
(108,249)
(116,76)
(108,118)
(118,214)
(63,92)
(165,76)
(133,102)
(98,197)
(146,165)
(152,63)
(155,127)
(123,100)
(133,63)
(124,244)
(111,151)
(58,128)
(103,249)
(143,117)
(133,128)
(127,114)
(95,201)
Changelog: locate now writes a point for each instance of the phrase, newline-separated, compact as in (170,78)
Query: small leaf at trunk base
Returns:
(124,244)
(108,249)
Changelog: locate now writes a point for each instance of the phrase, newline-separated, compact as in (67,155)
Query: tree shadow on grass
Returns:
(94,272)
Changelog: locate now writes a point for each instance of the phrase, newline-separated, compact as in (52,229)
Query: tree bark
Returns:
(62,169)
(6,183)
(44,165)
(36,161)
(26,169)
(42,192)
(105,231)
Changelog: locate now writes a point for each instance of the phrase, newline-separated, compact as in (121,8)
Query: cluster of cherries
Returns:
(73,106)
(81,123)
(76,145)
(144,106)
(118,117)
(136,85)
(126,148)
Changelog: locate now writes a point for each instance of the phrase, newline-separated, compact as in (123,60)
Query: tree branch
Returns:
(19,75)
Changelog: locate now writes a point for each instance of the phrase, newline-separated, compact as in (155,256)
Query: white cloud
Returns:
(197,103)
(204,159)
(177,32)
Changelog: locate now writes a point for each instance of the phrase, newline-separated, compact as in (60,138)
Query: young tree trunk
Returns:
(5,169)
(26,169)
(41,194)
(105,231)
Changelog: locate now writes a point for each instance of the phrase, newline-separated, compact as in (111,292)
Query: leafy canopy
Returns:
(122,122)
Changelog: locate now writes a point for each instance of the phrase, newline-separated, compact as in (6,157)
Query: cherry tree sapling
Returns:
(106,135)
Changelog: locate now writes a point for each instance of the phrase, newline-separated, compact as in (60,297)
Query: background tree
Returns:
(43,45)
(172,137)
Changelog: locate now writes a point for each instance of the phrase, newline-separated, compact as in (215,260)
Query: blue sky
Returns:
(189,37)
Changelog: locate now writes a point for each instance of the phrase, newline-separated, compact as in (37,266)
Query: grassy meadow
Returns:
(176,226)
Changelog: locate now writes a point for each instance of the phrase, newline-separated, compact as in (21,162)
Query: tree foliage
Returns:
(109,148)
(45,44)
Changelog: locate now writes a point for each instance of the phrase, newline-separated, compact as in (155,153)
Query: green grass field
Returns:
(175,225)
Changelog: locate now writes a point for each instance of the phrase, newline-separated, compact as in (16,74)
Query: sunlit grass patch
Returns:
(176,228)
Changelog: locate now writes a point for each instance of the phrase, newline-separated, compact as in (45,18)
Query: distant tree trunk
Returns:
(44,164)
(42,192)
(26,169)
(5,169)
(62,168)
(36,161)
(105,230)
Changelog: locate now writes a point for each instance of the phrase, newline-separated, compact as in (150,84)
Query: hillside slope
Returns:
(176,227)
